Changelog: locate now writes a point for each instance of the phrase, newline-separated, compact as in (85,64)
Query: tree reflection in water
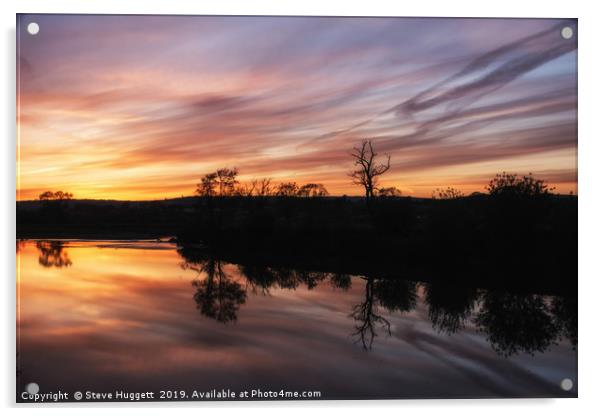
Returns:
(516,323)
(217,295)
(449,307)
(394,295)
(262,278)
(53,254)
(367,317)
(564,311)
(513,323)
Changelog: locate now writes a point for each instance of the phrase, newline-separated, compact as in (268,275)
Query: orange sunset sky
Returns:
(140,107)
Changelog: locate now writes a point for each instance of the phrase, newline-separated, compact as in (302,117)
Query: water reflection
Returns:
(126,312)
(53,254)
(217,295)
(512,323)
(450,307)
(564,310)
(367,317)
(391,294)
(517,323)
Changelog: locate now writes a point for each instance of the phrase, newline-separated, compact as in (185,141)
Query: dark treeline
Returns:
(104,219)
(502,239)
(510,236)
(516,233)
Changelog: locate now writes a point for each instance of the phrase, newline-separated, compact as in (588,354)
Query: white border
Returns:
(590,116)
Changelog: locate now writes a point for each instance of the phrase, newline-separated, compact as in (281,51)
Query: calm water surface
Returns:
(144,316)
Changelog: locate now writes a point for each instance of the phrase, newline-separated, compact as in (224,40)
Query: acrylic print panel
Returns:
(296,208)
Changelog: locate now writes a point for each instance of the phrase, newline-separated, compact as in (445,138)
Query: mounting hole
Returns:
(566,384)
(33,28)
(32,388)
(566,32)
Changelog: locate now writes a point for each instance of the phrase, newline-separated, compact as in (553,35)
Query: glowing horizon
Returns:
(140,107)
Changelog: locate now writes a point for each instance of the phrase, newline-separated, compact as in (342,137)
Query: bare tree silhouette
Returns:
(367,170)
(264,187)
(246,189)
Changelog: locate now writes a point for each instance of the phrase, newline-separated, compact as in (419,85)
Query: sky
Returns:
(140,107)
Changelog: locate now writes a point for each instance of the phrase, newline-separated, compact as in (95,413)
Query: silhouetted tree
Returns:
(55,196)
(287,189)
(222,182)
(511,185)
(389,192)
(368,170)
(245,189)
(313,190)
(207,185)
(518,214)
(226,181)
(447,193)
(264,187)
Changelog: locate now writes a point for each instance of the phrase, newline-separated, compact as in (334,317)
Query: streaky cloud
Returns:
(550,45)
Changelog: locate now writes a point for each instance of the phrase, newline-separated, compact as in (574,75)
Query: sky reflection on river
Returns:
(145,316)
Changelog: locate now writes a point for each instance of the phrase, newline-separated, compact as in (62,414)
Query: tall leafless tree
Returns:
(367,168)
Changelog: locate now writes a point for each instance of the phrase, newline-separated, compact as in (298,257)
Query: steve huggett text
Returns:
(213,394)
